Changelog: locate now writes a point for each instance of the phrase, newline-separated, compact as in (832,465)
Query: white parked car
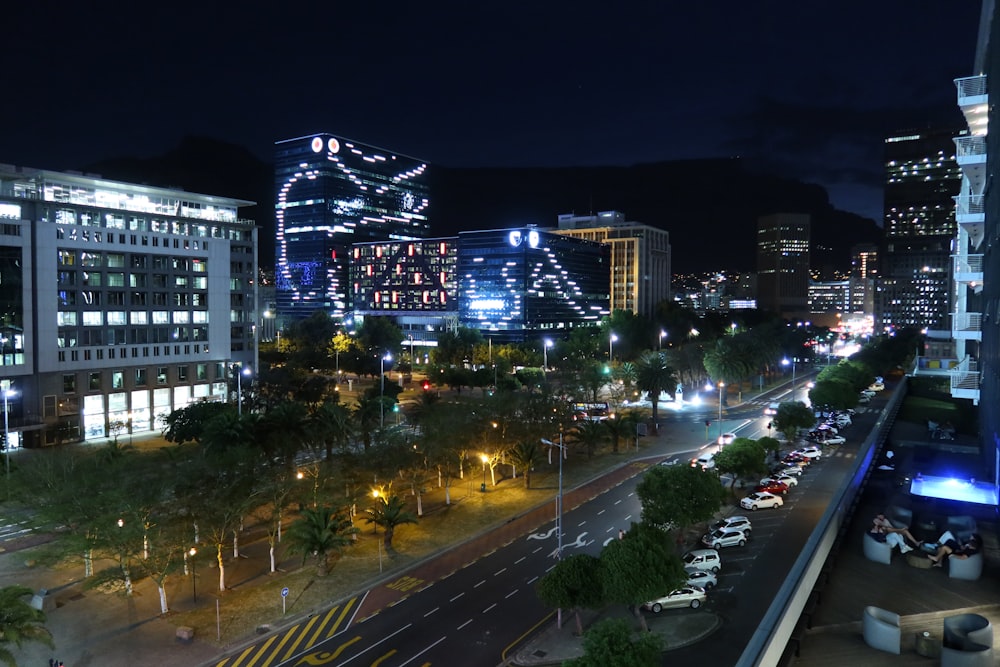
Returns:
(702,579)
(690,596)
(787,480)
(832,440)
(738,521)
(864,399)
(724,537)
(761,500)
(810,451)
(702,559)
(786,469)
(876,386)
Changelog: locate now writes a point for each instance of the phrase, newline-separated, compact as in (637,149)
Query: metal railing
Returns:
(970,204)
(965,380)
(970,146)
(968,263)
(966,321)
(971,86)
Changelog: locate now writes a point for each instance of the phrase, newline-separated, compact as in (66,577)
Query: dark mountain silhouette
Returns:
(710,207)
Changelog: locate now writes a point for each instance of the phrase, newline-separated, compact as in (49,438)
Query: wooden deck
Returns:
(922,597)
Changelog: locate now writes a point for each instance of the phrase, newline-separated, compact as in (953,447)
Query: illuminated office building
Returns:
(332,192)
(783,264)
(119,302)
(415,282)
(922,179)
(640,258)
(864,270)
(516,283)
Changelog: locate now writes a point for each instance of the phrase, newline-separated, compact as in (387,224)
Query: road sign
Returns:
(284,592)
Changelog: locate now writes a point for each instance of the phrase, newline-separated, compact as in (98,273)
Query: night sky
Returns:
(806,89)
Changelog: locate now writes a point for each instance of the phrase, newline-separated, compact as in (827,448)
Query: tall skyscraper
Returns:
(332,192)
(640,258)
(864,271)
(922,178)
(118,302)
(783,264)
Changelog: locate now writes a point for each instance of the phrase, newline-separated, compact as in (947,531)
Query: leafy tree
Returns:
(591,377)
(331,424)
(654,376)
(573,584)
(389,513)
(188,424)
(770,445)
(588,434)
(639,568)
(609,643)
(525,455)
(320,533)
(743,457)
(791,416)
(457,348)
(621,426)
(854,373)
(379,335)
(307,341)
(20,623)
(838,394)
(679,496)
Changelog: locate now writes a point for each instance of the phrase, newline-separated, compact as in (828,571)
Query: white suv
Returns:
(702,559)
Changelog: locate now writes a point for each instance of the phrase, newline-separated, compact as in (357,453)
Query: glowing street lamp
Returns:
(7,394)
(659,344)
(611,346)
(721,386)
(545,354)
(485,460)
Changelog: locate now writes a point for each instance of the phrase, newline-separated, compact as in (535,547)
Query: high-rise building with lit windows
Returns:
(864,270)
(922,179)
(783,264)
(517,283)
(118,302)
(332,192)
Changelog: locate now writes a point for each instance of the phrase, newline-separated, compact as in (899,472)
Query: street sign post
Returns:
(284,594)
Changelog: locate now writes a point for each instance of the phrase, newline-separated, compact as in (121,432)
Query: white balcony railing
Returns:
(968,264)
(971,86)
(965,380)
(973,146)
(969,204)
(967,322)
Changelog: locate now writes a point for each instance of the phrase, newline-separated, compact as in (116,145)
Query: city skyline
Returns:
(475,86)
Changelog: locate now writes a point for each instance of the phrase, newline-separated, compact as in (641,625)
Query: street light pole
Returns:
(659,344)
(194,576)
(6,436)
(611,347)
(485,459)
(239,390)
(785,362)
(721,385)
(381,393)
(545,354)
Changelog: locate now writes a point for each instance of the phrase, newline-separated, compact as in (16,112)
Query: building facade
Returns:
(640,258)
(332,192)
(922,179)
(783,264)
(120,302)
(864,272)
(516,283)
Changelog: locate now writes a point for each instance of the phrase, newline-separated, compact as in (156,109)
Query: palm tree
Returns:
(655,376)
(525,455)
(622,425)
(19,623)
(319,533)
(332,424)
(389,512)
(589,434)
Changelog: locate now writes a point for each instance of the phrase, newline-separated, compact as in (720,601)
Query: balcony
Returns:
(970,150)
(967,326)
(973,99)
(965,380)
(969,209)
(968,268)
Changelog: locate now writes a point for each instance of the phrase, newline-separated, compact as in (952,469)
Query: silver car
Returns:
(689,596)
(724,537)
(702,579)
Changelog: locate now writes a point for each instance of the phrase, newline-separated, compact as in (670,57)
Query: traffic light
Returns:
(426,385)
(708,422)
(768,426)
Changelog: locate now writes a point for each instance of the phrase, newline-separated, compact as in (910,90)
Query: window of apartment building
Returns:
(140,261)
(161,375)
(117,379)
(67,257)
(93,318)
(94,381)
(116,260)
(116,298)
(182,372)
(116,280)
(202,372)
(91,278)
(140,377)
(69,383)
(138,280)
(160,280)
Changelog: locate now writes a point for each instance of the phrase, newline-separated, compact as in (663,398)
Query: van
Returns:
(705,462)
(702,559)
